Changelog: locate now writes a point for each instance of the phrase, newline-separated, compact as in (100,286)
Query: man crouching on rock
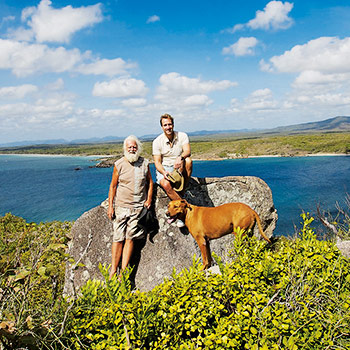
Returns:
(130,190)
(171,150)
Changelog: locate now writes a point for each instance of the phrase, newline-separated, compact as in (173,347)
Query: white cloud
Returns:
(18,92)
(197,100)
(48,24)
(243,47)
(325,54)
(134,102)
(107,67)
(56,86)
(25,59)
(153,19)
(261,93)
(260,100)
(274,16)
(121,87)
(182,85)
(315,78)
(178,91)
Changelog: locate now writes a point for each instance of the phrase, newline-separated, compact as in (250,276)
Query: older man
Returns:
(171,150)
(130,190)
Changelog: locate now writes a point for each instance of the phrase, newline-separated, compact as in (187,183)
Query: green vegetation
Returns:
(291,295)
(32,267)
(211,148)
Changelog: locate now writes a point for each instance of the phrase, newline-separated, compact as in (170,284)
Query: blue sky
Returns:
(92,69)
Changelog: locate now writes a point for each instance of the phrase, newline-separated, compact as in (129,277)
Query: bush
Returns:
(289,296)
(32,267)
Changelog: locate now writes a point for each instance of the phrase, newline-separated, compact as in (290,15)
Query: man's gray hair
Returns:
(133,138)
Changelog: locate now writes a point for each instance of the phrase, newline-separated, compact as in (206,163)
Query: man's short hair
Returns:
(133,138)
(166,116)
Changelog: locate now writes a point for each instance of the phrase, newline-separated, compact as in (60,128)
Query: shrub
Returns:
(292,295)
(32,266)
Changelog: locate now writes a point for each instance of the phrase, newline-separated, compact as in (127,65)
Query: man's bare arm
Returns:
(112,192)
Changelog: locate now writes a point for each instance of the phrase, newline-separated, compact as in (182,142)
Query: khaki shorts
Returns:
(125,224)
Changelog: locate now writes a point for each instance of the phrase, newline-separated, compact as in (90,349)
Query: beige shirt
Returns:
(132,183)
(169,151)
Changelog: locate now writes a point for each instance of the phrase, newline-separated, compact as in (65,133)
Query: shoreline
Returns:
(102,156)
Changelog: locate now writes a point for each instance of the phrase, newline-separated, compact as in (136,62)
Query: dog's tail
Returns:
(257,218)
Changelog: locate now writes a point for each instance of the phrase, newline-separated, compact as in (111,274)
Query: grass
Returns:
(214,148)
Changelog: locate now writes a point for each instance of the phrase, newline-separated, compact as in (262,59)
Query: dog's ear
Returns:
(185,203)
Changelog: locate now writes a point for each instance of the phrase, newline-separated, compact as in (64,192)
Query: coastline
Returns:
(102,157)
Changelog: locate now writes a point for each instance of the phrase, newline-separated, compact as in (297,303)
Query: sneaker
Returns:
(179,223)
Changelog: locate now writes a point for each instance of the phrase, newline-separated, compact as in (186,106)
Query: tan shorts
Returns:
(125,224)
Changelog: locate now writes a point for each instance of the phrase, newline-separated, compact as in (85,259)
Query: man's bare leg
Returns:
(186,172)
(127,253)
(117,250)
(172,194)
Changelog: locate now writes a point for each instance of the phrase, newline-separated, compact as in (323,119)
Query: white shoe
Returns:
(180,224)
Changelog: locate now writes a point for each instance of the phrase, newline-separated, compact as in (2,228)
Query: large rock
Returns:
(155,257)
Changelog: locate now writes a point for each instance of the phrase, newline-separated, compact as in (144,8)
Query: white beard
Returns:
(132,157)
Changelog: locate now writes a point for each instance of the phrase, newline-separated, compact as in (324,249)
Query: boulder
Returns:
(158,254)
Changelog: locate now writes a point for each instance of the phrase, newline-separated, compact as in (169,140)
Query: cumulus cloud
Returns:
(179,90)
(56,86)
(25,59)
(107,67)
(47,24)
(310,77)
(274,16)
(197,100)
(189,92)
(18,92)
(321,64)
(153,19)
(121,87)
(134,102)
(243,47)
(325,54)
(260,100)
(180,84)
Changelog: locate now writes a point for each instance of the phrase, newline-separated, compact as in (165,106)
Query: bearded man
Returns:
(130,190)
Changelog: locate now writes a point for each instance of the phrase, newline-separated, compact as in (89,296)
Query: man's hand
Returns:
(111,213)
(166,173)
(147,204)
(178,163)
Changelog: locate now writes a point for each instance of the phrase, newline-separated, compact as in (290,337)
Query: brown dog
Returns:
(207,223)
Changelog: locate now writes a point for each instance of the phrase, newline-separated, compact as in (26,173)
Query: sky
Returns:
(83,69)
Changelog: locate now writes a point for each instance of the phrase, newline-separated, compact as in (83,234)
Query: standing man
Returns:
(171,150)
(130,190)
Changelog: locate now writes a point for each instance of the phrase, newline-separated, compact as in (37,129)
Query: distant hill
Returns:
(336,124)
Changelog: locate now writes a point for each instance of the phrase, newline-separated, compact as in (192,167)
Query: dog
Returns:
(207,223)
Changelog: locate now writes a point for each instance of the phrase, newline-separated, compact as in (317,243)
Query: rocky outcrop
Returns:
(343,246)
(155,257)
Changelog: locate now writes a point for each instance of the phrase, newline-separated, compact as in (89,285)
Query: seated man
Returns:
(171,150)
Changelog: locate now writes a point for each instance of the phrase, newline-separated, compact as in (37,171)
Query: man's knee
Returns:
(166,185)
(188,166)
(188,162)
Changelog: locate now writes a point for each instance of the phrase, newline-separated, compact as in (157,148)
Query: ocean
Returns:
(47,188)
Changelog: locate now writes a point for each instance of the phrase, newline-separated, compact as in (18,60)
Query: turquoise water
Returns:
(45,188)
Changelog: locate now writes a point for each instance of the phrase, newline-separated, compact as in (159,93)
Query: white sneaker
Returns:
(180,224)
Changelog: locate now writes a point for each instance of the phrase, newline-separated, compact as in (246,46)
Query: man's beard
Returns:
(132,157)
